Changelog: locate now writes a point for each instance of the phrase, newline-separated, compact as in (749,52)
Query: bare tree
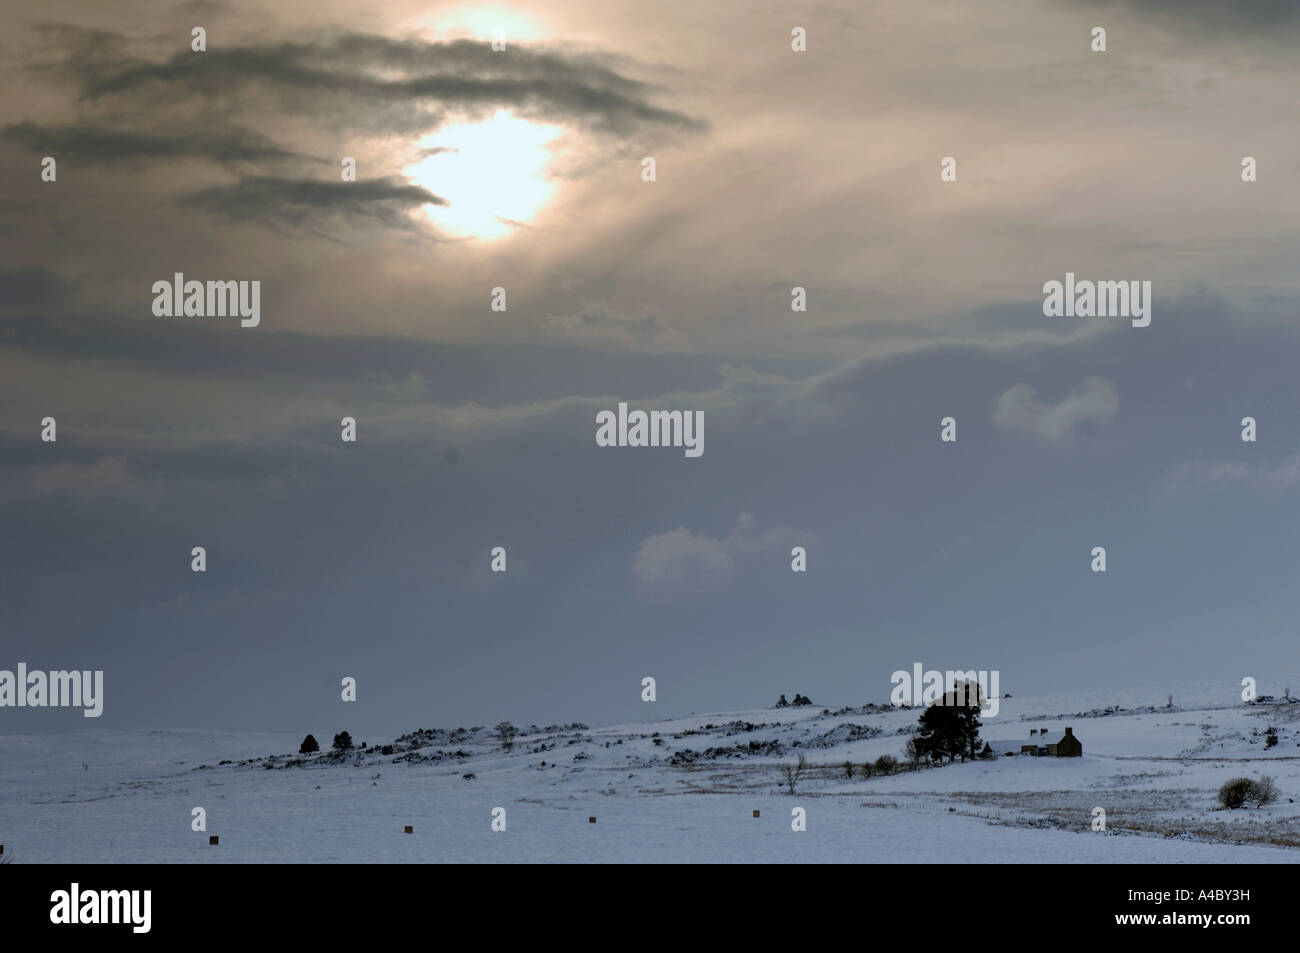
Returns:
(914,752)
(793,772)
(1264,792)
(506,735)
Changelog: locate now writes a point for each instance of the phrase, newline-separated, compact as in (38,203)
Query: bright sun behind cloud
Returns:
(491,172)
(481,22)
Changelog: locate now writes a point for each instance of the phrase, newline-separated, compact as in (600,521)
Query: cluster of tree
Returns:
(950,728)
(947,729)
(342,742)
(798,700)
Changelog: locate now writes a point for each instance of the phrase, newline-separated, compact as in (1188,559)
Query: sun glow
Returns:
(480,22)
(492,173)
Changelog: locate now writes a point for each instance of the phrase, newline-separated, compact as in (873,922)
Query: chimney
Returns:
(1069,732)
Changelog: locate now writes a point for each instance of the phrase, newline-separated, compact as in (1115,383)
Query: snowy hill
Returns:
(676,790)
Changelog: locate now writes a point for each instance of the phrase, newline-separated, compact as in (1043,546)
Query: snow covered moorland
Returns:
(680,790)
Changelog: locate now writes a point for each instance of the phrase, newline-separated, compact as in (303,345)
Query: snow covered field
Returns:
(671,791)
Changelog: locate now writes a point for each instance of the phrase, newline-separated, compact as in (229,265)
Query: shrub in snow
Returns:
(309,745)
(1262,792)
(1238,792)
(1233,793)
(342,741)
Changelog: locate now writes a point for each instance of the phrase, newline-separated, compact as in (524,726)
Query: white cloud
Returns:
(1093,401)
(681,562)
(1195,474)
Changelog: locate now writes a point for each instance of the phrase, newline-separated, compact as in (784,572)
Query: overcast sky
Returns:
(476,427)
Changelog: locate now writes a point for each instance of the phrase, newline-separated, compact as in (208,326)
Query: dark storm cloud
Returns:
(203,7)
(214,462)
(25,288)
(1244,15)
(107,145)
(489,375)
(302,202)
(357,69)
(65,47)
